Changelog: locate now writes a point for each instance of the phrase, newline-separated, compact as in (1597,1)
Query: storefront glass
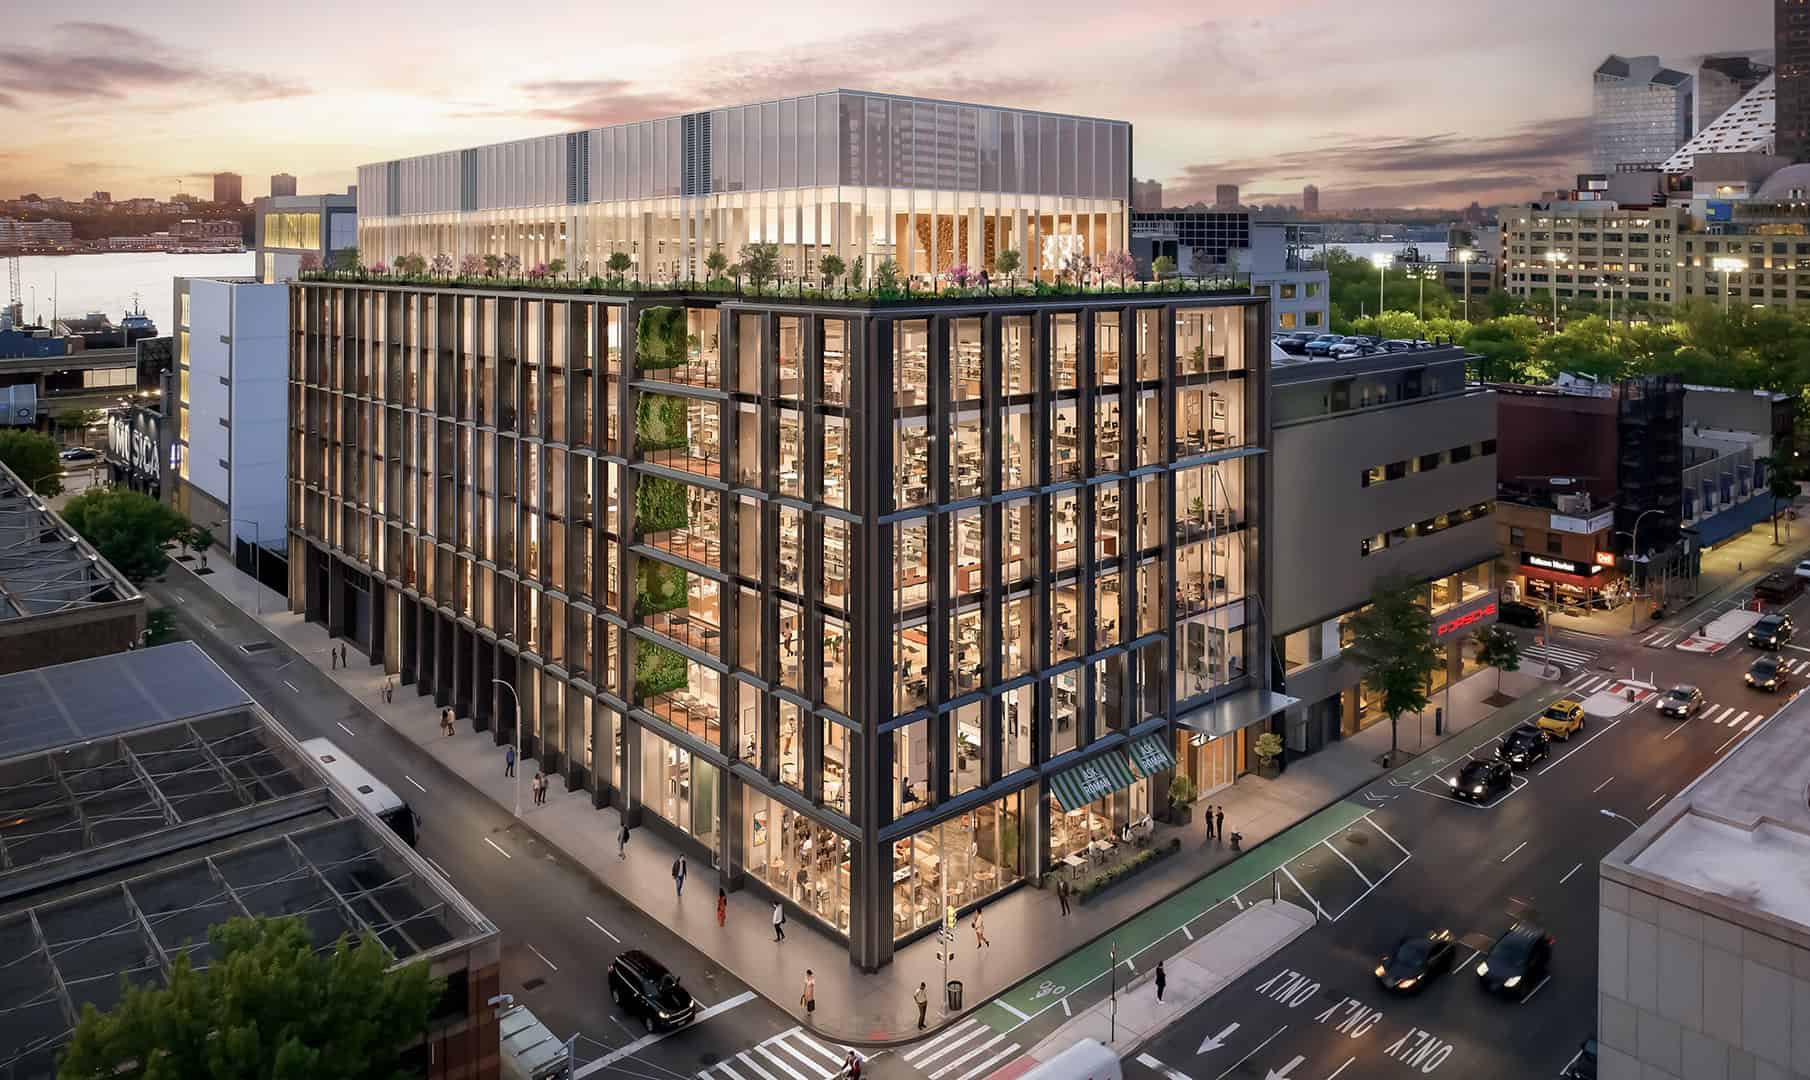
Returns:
(802,860)
(1102,820)
(667,786)
(1211,762)
(957,862)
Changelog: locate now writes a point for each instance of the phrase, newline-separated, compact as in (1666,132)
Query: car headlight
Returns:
(1513,982)
(1451,781)
(1407,983)
(1379,970)
(1483,968)
(1478,789)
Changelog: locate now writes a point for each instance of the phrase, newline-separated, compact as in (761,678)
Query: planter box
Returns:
(1152,856)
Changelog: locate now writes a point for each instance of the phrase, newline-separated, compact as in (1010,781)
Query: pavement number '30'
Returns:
(1289,987)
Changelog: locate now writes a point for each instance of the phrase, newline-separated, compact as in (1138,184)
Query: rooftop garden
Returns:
(757,276)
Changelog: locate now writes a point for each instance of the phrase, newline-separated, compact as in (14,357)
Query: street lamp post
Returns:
(1618,817)
(1465,255)
(1633,553)
(1382,261)
(1557,259)
(518,743)
(1728,265)
(1421,274)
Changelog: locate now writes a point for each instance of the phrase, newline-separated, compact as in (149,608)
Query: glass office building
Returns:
(928,184)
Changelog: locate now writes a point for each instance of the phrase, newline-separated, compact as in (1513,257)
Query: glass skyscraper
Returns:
(1642,112)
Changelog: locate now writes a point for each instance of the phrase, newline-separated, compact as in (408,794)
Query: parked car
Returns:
(1323,344)
(1771,632)
(1803,569)
(1517,962)
(1346,350)
(1479,781)
(1778,588)
(1583,1064)
(1524,746)
(1395,345)
(1416,960)
(1293,344)
(1563,718)
(1683,701)
(79,453)
(642,987)
(1768,674)
(1515,613)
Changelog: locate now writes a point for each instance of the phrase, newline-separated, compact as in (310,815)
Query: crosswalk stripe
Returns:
(1751,724)
(944,1044)
(835,1058)
(1578,678)
(779,1063)
(986,1066)
(1559,654)
(979,1048)
(812,1066)
(724,1065)
(1724,715)
(918,1051)
(754,1067)
(1736,722)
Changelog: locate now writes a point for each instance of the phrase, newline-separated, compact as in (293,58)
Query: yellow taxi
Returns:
(1562,718)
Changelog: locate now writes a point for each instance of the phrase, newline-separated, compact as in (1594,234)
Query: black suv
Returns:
(1771,631)
(1524,746)
(1516,613)
(1517,962)
(1479,780)
(1768,674)
(641,986)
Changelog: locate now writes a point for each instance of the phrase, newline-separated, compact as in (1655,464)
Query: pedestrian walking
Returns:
(333,656)
(389,689)
(622,842)
(446,721)
(1062,891)
(722,907)
(1209,821)
(1162,980)
(851,1066)
(1219,822)
(678,876)
(923,1002)
(779,921)
(508,761)
(980,931)
(809,998)
(540,788)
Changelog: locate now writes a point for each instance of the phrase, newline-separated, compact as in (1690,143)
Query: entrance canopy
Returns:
(1151,755)
(1092,780)
(1236,711)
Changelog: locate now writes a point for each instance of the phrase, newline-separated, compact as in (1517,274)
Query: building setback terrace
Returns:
(892,603)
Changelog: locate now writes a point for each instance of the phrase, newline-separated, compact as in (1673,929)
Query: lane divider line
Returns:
(1570,872)
(1512,854)
(499,850)
(542,955)
(604,928)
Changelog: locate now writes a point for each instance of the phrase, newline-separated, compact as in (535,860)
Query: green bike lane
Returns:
(1327,862)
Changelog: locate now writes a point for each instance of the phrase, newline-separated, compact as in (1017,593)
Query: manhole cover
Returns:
(1356,838)
(534,984)
(251,647)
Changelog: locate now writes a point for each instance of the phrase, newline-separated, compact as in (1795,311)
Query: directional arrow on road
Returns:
(1214,1042)
(1376,798)
(1282,1074)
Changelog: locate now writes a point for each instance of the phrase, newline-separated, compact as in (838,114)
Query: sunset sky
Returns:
(1379,102)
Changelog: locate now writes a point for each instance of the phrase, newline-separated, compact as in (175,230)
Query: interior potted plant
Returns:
(1181,799)
(1268,749)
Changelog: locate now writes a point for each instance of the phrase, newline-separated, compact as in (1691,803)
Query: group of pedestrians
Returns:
(336,656)
(1216,823)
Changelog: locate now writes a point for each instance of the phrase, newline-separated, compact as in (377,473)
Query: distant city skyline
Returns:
(1389,103)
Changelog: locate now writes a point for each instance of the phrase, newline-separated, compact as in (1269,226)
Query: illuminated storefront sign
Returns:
(1558,565)
(1605,558)
(1465,617)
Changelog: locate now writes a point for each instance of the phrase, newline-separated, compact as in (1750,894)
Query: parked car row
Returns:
(1345,346)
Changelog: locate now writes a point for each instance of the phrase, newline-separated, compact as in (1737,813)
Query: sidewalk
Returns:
(1024,926)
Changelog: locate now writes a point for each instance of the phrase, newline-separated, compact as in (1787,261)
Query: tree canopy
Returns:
(1392,641)
(34,458)
(267,1005)
(128,528)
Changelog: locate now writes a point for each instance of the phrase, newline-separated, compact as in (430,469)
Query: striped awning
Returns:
(1151,755)
(1092,780)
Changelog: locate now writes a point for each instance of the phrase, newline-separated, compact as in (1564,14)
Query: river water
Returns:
(107,283)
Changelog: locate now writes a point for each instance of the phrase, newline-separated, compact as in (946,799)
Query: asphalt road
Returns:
(560,926)
(1314,1011)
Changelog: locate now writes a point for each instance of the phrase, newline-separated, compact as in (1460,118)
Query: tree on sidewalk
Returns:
(1783,487)
(34,458)
(1498,647)
(268,1004)
(1392,641)
(128,528)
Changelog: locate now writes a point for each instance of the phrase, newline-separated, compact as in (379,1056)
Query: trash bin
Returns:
(954,990)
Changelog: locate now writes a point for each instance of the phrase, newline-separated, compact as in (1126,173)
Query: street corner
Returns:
(1618,697)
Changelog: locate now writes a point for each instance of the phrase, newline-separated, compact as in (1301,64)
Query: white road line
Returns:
(1310,896)
(1371,821)
(1002,1004)
(942,1043)
(727,1071)
(1655,802)
(778,1062)
(604,928)
(1187,933)
(290,685)
(1247,1057)
(1601,786)
(1371,889)
(1799,648)
(1347,862)
(611,1058)
(1681,725)
(1751,724)
(783,1043)
(1723,715)
(754,1066)
(1729,743)
(1475,953)
(1151,1062)
(345,729)
(1570,872)
(542,955)
(499,850)
(988,1065)
(1578,678)
(977,1050)
(1066,1011)
(1736,722)
(1347,1065)
(1513,853)
(415,782)
(1566,1071)
(1604,730)
(837,1058)
(1536,990)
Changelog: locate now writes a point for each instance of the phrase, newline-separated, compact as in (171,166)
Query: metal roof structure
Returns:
(44,566)
(148,825)
(1748,125)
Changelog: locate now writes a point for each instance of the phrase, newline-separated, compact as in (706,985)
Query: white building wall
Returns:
(260,413)
(210,401)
